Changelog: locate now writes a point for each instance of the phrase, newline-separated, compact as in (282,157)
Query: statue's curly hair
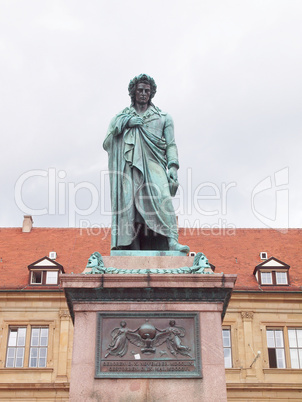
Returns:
(146,79)
(99,258)
(197,259)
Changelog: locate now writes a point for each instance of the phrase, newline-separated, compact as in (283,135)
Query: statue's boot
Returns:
(175,246)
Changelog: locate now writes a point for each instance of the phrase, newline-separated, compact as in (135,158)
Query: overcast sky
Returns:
(229,73)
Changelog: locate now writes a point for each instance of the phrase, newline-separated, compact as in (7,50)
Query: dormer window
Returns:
(36,277)
(52,277)
(44,272)
(272,272)
(266,278)
(281,278)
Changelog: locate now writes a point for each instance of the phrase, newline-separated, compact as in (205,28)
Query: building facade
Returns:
(262,328)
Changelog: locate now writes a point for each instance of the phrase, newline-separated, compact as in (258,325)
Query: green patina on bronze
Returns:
(164,342)
(143,164)
(96,263)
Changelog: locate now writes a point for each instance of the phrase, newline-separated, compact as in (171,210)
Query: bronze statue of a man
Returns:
(143,164)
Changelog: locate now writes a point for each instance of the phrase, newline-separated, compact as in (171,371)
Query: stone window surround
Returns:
(28,324)
(285,327)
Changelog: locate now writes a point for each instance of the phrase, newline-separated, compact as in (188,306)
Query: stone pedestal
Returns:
(158,298)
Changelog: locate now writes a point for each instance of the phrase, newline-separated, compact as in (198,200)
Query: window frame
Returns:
(15,347)
(57,277)
(227,348)
(8,325)
(32,277)
(273,273)
(266,273)
(44,278)
(286,339)
(39,347)
(273,359)
(286,276)
(298,347)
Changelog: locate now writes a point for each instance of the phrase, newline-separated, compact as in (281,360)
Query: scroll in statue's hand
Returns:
(135,121)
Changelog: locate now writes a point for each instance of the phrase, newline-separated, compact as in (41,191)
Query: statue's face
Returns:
(142,93)
(204,261)
(92,261)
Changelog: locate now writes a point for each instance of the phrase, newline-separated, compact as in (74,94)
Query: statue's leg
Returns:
(150,240)
(135,244)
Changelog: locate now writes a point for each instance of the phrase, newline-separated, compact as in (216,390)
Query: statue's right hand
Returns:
(135,121)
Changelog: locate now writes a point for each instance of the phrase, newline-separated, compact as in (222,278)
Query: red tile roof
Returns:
(233,252)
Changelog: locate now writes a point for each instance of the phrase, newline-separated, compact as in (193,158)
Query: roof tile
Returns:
(234,252)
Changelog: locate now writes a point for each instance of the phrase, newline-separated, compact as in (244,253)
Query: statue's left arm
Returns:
(171,152)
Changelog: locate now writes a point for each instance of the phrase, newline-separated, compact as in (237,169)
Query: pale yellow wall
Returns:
(248,315)
(39,309)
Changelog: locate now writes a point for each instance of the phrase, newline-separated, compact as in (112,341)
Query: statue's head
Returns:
(201,260)
(95,260)
(141,79)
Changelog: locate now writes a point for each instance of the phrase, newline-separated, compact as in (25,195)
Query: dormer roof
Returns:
(46,263)
(270,263)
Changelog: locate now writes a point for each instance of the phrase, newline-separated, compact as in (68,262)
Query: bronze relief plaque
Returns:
(148,345)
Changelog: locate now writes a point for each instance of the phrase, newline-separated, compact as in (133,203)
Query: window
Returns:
(274,278)
(272,272)
(38,347)
(275,344)
(227,347)
(281,278)
(295,347)
(266,278)
(51,277)
(18,354)
(36,277)
(44,277)
(45,271)
(16,347)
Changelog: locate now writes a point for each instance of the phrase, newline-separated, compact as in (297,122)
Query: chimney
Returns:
(27,224)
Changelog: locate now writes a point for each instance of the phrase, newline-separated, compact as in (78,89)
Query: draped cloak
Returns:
(138,162)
